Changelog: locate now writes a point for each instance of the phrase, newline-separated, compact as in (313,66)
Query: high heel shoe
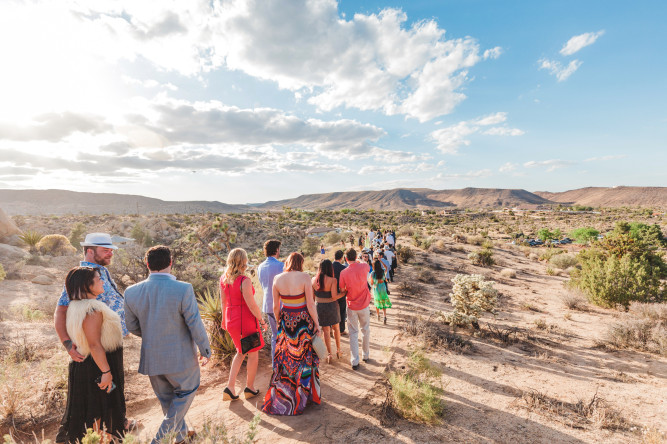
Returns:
(247,393)
(227,395)
(338,354)
(385,320)
(329,357)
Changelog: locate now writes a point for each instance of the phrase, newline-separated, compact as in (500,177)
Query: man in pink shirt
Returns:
(354,280)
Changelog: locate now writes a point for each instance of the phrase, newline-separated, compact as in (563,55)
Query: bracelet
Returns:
(108,371)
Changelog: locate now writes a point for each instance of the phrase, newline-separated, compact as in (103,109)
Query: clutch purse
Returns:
(319,347)
(250,342)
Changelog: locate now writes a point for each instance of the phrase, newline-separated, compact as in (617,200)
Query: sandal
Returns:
(227,395)
(329,357)
(385,321)
(338,354)
(247,393)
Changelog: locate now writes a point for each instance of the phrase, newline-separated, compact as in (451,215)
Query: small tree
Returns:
(471,295)
(76,235)
(545,235)
(584,235)
(310,246)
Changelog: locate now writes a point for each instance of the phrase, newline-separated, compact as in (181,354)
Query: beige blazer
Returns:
(112,332)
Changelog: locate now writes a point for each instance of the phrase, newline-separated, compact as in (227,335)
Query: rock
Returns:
(13,240)
(9,253)
(42,280)
(7,225)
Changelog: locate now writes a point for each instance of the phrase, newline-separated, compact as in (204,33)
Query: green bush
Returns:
(210,308)
(332,238)
(564,261)
(31,238)
(76,235)
(545,235)
(55,245)
(404,254)
(584,235)
(609,280)
(310,246)
(483,257)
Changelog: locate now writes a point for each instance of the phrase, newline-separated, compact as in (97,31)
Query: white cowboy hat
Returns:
(98,240)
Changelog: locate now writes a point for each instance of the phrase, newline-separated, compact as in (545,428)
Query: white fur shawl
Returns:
(112,333)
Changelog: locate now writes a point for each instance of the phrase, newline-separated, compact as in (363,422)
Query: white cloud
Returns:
(550,165)
(449,139)
(508,167)
(370,62)
(601,158)
(465,176)
(556,68)
(580,41)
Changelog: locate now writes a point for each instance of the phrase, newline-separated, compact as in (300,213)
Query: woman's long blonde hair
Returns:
(237,262)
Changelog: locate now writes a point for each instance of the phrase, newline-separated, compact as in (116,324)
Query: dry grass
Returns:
(574,301)
(564,261)
(579,415)
(425,276)
(508,273)
(410,289)
(435,334)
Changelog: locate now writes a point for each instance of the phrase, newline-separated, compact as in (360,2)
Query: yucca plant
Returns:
(31,238)
(210,308)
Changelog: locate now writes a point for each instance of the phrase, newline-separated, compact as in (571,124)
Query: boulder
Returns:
(9,254)
(7,225)
(42,279)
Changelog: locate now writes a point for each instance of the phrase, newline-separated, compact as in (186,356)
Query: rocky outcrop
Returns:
(7,225)
(12,254)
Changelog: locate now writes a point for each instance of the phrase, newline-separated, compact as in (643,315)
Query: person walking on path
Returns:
(266,272)
(339,266)
(328,312)
(96,385)
(241,318)
(296,377)
(98,250)
(354,280)
(164,313)
(379,289)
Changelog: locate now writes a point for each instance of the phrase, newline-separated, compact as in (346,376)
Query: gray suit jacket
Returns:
(164,312)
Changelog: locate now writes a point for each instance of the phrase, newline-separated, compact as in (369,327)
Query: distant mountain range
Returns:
(71,202)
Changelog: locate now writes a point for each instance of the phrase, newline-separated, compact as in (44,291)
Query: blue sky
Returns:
(249,101)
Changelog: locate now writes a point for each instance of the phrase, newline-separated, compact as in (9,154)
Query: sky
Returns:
(245,101)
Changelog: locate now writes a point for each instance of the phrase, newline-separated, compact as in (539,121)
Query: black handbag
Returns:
(251,341)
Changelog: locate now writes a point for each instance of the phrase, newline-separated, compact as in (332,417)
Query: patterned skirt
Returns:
(380,296)
(296,377)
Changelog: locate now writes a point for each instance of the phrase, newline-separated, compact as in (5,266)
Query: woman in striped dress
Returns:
(296,378)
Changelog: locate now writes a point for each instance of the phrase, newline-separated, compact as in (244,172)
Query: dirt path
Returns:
(347,411)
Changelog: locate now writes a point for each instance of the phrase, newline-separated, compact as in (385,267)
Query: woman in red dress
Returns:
(241,317)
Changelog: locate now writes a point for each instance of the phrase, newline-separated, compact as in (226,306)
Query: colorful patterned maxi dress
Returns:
(380,296)
(296,377)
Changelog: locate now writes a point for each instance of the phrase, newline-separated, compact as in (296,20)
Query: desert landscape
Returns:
(541,359)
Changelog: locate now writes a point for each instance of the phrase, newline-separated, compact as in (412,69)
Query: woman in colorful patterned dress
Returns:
(296,378)
(379,289)
(241,317)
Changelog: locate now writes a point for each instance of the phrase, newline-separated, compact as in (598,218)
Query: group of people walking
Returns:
(92,317)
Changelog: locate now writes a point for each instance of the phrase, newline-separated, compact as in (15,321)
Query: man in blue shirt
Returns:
(266,271)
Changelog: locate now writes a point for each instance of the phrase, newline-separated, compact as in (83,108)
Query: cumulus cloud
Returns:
(507,167)
(54,127)
(449,139)
(580,41)
(557,69)
(370,62)
(602,158)
(550,165)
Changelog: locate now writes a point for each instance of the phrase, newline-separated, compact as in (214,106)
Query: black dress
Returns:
(86,402)
(328,313)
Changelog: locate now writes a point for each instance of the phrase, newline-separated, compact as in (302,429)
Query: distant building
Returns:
(119,240)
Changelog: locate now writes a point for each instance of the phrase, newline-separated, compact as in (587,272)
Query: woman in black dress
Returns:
(325,288)
(95,392)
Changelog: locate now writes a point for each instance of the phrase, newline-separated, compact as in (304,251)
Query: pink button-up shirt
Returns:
(354,279)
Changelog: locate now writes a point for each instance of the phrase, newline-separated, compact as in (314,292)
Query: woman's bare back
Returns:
(292,283)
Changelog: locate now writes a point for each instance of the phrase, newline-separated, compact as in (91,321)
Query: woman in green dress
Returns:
(379,288)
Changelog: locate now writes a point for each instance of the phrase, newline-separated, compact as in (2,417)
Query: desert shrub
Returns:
(460,238)
(210,308)
(404,254)
(438,247)
(141,236)
(483,257)
(405,231)
(573,301)
(548,253)
(76,235)
(310,246)
(436,334)
(425,276)
(564,261)
(31,238)
(129,267)
(545,234)
(3,274)
(550,271)
(639,334)
(410,289)
(608,280)
(508,273)
(415,398)
(533,257)
(584,235)
(332,238)
(476,240)
(471,295)
(55,245)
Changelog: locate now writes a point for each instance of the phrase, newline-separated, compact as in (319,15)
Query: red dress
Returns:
(237,314)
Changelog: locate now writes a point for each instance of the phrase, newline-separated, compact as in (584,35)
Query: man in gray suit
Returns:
(164,313)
